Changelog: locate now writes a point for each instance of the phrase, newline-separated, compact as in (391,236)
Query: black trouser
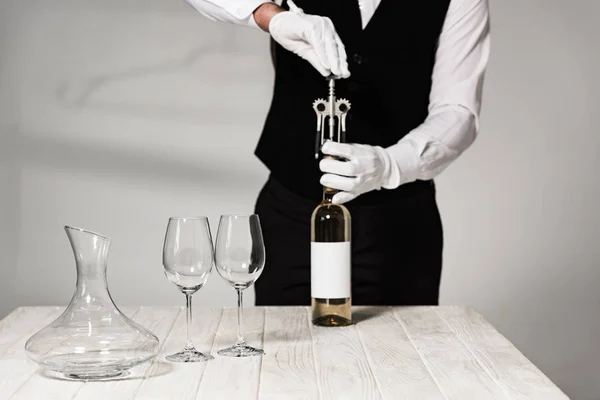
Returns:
(396,249)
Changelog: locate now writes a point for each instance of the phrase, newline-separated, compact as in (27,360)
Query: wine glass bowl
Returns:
(239,260)
(236,270)
(187,269)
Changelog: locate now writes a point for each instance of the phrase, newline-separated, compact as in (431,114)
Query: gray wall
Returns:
(116,114)
(9,174)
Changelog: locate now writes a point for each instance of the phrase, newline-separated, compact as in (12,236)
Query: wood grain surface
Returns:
(423,353)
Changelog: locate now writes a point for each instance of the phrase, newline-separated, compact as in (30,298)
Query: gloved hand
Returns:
(311,37)
(366,168)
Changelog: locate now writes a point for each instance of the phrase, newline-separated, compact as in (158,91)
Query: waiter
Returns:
(413,72)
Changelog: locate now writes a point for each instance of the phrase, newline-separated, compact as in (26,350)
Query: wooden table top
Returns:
(417,353)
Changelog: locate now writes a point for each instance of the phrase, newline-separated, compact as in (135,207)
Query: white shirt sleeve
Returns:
(233,11)
(455,99)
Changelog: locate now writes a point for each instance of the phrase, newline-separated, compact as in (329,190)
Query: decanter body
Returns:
(92,339)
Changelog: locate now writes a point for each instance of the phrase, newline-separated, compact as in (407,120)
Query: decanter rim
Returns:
(86,231)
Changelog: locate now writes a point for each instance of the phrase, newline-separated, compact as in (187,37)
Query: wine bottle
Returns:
(331,263)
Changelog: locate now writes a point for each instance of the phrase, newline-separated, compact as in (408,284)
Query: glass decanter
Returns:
(92,339)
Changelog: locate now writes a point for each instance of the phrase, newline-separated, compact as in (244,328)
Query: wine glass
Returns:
(240,258)
(188,259)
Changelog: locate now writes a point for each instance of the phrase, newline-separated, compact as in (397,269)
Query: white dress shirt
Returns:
(457,80)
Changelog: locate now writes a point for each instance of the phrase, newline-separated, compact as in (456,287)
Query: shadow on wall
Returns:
(176,89)
(124,165)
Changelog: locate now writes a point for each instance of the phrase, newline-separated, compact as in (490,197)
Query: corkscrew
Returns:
(327,112)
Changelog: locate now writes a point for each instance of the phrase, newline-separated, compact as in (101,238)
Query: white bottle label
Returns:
(330,270)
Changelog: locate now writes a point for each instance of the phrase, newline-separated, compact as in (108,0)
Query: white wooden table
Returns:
(417,353)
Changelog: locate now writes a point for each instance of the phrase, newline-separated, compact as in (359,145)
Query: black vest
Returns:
(391,63)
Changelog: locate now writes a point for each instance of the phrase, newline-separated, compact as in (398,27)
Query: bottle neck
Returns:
(328,194)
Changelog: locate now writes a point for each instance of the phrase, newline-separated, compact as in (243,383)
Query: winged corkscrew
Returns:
(327,111)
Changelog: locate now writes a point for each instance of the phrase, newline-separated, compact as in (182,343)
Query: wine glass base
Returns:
(189,355)
(240,350)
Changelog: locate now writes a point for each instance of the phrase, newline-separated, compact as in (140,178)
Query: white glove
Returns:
(366,168)
(311,37)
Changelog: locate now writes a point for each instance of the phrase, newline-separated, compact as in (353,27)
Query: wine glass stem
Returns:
(188,298)
(240,307)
